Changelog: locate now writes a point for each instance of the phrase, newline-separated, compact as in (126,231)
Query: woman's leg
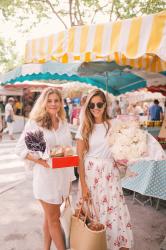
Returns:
(47,236)
(52,213)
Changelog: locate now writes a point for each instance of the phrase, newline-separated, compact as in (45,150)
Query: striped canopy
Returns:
(139,42)
(116,81)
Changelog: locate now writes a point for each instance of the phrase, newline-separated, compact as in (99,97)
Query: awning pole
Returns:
(106,74)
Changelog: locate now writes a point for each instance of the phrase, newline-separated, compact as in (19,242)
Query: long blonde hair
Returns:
(39,112)
(89,120)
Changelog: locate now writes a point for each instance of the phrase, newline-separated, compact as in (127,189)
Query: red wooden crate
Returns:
(66,161)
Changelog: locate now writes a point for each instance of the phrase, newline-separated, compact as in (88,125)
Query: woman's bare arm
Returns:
(81,152)
(42,162)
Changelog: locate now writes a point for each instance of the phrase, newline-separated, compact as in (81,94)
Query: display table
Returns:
(150,179)
(153,130)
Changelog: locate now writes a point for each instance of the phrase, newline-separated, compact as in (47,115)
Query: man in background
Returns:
(156,111)
(9,117)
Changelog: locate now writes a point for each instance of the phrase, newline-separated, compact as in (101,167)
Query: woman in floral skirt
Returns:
(99,177)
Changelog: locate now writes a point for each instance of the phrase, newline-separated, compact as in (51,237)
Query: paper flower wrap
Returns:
(36,144)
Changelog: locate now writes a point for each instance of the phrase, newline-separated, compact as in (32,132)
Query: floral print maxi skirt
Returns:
(104,184)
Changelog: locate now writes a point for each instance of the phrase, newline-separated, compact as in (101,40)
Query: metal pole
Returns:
(106,74)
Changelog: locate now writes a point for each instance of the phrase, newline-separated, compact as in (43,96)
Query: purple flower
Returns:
(35,141)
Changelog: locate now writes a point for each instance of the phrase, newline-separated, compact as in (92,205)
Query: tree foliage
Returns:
(27,13)
(8,55)
(30,12)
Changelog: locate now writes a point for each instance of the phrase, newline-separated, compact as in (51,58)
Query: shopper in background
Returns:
(156,111)
(66,108)
(81,114)
(9,117)
(18,106)
(1,126)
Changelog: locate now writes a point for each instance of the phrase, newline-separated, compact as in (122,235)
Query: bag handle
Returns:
(89,204)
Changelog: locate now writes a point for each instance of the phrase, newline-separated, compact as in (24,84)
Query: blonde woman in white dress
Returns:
(50,186)
(99,178)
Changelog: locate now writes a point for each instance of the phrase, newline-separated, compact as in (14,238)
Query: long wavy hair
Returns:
(89,120)
(39,112)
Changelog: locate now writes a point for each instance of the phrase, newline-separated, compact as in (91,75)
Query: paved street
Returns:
(21,215)
(11,167)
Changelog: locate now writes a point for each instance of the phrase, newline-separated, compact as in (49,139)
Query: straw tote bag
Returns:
(82,237)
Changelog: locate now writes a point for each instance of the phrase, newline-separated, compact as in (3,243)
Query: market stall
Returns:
(150,179)
(138,42)
(133,43)
(123,44)
(108,76)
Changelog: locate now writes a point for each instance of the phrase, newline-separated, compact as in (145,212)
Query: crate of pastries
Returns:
(64,156)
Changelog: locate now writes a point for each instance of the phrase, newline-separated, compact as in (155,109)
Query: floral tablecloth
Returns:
(150,179)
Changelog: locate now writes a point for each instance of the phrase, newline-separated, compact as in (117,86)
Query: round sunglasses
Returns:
(98,105)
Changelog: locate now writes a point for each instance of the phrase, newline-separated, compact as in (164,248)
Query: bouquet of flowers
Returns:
(127,141)
(36,144)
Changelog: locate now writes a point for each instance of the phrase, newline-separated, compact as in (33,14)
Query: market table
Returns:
(150,179)
(153,130)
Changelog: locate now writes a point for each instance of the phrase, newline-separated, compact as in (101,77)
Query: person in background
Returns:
(156,111)
(145,108)
(18,106)
(123,105)
(164,109)
(81,114)
(99,177)
(2,110)
(75,114)
(69,102)
(2,107)
(66,107)
(50,186)
(9,117)
(131,110)
(1,126)
(116,110)
(139,110)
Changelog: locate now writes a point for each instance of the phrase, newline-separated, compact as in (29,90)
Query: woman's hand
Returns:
(85,192)
(122,162)
(122,166)
(44,163)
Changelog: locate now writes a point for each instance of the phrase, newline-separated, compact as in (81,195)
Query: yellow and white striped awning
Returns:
(139,42)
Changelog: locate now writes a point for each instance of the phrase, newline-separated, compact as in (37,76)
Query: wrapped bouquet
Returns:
(36,144)
(128,143)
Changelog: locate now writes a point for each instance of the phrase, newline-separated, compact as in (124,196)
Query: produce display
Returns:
(60,151)
(152,123)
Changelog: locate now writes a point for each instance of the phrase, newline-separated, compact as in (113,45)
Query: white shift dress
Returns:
(104,184)
(49,185)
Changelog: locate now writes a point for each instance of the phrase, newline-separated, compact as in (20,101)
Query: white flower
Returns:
(127,141)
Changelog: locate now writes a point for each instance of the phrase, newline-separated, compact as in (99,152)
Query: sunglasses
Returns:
(98,105)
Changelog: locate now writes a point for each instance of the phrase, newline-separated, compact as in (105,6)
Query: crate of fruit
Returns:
(63,157)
